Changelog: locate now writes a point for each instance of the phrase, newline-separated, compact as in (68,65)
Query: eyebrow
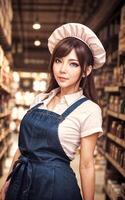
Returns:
(73,60)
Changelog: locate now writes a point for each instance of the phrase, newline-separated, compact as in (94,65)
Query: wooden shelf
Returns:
(5,149)
(4,88)
(121,53)
(106,191)
(117,140)
(116,115)
(108,194)
(101,150)
(4,114)
(122,117)
(112,113)
(9,143)
(4,41)
(3,152)
(23,105)
(4,135)
(115,164)
(100,88)
(123,196)
(111,89)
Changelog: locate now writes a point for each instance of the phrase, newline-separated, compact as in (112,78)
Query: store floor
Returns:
(99,166)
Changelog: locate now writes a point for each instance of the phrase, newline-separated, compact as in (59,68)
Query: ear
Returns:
(88,70)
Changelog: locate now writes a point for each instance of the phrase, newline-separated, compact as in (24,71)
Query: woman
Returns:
(59,121)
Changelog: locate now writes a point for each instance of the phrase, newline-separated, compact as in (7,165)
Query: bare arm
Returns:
(86,166)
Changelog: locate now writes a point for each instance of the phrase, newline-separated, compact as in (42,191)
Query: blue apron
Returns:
(43,171)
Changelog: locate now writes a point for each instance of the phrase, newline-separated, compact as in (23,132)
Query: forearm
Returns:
(16,155)
(87,175)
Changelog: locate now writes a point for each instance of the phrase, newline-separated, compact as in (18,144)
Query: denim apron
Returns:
(43,171)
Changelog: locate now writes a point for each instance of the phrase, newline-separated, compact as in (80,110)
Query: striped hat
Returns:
(82,33)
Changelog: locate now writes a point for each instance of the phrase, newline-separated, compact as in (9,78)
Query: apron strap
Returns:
(73,107)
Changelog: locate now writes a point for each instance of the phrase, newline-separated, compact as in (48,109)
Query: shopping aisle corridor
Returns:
(99,166)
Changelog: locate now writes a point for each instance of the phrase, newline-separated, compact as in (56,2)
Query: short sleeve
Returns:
(93,122)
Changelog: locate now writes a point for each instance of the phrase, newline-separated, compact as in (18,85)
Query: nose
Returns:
(63,67)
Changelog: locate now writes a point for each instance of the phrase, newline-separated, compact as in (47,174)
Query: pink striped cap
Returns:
(82,33)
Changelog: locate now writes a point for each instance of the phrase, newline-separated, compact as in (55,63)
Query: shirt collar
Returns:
(68,98)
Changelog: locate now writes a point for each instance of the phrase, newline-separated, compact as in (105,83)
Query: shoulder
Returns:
(90,107)
(93,107)
(91,118)
(38,98)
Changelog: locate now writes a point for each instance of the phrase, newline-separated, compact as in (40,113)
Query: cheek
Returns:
(55,69)
(76,73)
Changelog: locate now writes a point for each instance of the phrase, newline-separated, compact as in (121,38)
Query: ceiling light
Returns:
(36,26)
(37,43)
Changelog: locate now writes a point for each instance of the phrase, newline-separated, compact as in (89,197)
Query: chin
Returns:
(63,85)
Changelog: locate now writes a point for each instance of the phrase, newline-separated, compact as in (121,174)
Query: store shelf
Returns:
(112,113)
(22,105)
(123,196)
(106,191)
(2,136)
(121,53)
(111,89)
(4,41)
(109,195)
(5,149)
(100,149)
(4,88)
(116,115)
(115,164)
(3,152)
(122,117)
(4,114)
(112,78)
(99,88)
(117,140)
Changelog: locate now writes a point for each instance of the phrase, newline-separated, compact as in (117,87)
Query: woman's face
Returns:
(67,71)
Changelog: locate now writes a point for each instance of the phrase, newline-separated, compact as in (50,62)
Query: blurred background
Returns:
(25,26)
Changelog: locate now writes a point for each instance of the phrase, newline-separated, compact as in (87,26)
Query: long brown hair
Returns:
(85,58)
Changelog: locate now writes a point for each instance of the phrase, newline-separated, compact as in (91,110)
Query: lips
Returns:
(62,78)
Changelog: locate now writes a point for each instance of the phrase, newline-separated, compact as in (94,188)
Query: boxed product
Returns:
(122,31)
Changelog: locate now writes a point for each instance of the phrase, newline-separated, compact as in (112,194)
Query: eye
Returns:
(73,64)
(57,60)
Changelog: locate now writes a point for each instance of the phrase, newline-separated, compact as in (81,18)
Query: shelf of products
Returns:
(5,108)
(115,164)
(113,88)
(111,78)
(117,115)
(4,134)
(5,149)
(115,191)
(6,15)
(116,139)
(100,149)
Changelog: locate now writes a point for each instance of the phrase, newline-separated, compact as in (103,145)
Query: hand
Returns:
(4,190)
